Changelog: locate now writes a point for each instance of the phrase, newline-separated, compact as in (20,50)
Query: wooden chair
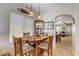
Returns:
(20,49)
(58,38)
(47,46)
(26,36)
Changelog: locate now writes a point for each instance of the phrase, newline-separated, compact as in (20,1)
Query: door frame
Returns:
(72,26)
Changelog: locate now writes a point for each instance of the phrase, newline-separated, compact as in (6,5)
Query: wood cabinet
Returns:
(39,26)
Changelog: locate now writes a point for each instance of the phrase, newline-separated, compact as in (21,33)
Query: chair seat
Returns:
(27,48)
(43,45)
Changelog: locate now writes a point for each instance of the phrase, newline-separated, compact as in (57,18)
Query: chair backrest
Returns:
(26,35)
(17,46)
(50,41)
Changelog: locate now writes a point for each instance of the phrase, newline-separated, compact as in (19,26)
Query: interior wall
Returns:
(76,29)
(28,25)
(5,9)
(69,30)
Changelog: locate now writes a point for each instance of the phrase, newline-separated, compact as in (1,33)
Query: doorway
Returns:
(63,34)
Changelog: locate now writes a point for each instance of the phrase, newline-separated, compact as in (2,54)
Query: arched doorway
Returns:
(63,33)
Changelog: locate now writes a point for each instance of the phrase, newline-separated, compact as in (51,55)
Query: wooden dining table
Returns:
(37,40)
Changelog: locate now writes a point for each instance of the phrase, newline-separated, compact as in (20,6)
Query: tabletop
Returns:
(36,39)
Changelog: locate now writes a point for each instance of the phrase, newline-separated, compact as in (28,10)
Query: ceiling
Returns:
(46,7)
(52,9)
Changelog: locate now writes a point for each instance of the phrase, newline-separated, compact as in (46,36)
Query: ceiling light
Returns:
(23,11)
(31,13)
(26,11)
(39,17)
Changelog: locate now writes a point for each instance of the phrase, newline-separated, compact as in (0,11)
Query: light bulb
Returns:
(31,13)
(39,17)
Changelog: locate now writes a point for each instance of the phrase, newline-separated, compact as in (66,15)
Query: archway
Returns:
(63,31)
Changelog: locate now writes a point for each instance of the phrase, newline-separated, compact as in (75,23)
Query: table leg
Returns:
(36,49)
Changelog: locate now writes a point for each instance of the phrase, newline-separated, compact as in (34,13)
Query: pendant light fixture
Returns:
(39,17)
(31,13)
(26,11)
(23,11)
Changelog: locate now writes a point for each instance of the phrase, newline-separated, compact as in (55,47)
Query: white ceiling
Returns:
(51,10)
(46,7)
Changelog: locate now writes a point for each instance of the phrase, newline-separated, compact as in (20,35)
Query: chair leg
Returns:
(29,54)
(48,52)
(51,52)
(26,54)
(42,54)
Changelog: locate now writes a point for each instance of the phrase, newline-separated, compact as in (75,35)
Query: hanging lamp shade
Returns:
(26,11)
(31,13)
(39,17)
(23,11)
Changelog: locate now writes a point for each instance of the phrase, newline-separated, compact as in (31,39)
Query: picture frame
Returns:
(49,25)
